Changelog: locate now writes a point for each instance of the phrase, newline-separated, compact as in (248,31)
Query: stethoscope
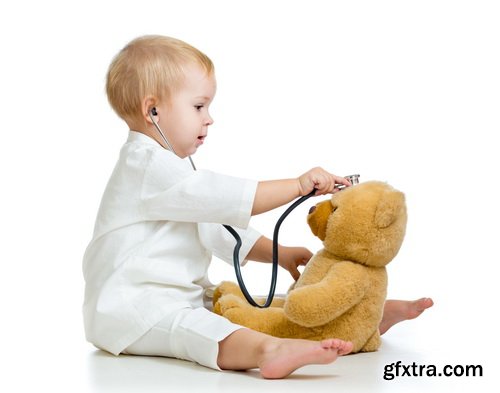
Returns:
(354,179)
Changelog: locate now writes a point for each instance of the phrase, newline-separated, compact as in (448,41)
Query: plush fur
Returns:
(342,291)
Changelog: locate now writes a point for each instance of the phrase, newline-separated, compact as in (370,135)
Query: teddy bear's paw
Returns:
(226,287)
(236,310)
(229,302)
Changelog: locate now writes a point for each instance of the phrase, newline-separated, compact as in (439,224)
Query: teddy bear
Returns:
(342,290)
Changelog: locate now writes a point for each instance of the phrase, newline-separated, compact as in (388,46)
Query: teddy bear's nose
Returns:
(312,209)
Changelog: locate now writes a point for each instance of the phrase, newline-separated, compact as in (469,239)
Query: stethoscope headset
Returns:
(354,179)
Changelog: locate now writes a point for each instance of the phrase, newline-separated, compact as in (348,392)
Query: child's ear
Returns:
(318,218)
(148,104)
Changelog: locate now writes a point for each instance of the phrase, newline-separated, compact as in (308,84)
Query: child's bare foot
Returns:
(400,310)
(280,358)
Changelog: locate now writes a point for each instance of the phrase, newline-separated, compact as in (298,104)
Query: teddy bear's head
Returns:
(365,223)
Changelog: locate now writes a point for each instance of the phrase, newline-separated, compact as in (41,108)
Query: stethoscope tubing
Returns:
(237,247)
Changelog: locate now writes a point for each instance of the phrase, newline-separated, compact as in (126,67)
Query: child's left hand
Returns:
(292,257)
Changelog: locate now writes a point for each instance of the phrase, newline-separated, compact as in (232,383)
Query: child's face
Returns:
(185,119)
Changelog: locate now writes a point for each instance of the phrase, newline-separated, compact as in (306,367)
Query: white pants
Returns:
(189,334)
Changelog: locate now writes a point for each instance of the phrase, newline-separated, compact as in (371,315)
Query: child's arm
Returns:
(274,193)
(289,258)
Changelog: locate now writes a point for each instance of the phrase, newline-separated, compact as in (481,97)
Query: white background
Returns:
(406,92)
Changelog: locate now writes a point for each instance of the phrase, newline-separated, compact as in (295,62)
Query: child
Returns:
(159,223)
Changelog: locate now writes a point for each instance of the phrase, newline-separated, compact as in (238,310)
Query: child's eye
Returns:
(198,107)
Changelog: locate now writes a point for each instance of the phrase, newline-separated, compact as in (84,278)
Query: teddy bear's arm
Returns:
(227,287)
(342,287)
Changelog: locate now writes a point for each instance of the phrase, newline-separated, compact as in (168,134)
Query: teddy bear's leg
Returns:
(278,302)
(271,320)
(227,287)
(373,343)
(238,311)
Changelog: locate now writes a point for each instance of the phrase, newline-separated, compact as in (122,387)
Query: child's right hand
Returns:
(321,180)
(273,193)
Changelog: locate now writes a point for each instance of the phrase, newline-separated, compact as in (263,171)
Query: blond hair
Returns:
(149,66)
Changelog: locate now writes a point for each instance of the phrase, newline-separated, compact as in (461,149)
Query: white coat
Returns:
(157,227)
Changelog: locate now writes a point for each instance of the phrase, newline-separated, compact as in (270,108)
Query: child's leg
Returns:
(401,310)
(211,340)
(275,357)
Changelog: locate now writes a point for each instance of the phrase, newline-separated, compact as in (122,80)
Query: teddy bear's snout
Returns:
(312,209)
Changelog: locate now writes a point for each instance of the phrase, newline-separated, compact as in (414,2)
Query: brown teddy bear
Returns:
(342,291)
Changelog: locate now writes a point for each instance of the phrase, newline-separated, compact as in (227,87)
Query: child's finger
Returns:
(294,272)
(327,184)
(343,181)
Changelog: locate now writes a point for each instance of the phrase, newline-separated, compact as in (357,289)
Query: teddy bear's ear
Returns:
(318,219)
(389,208)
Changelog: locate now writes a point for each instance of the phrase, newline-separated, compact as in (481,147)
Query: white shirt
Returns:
(157,227)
